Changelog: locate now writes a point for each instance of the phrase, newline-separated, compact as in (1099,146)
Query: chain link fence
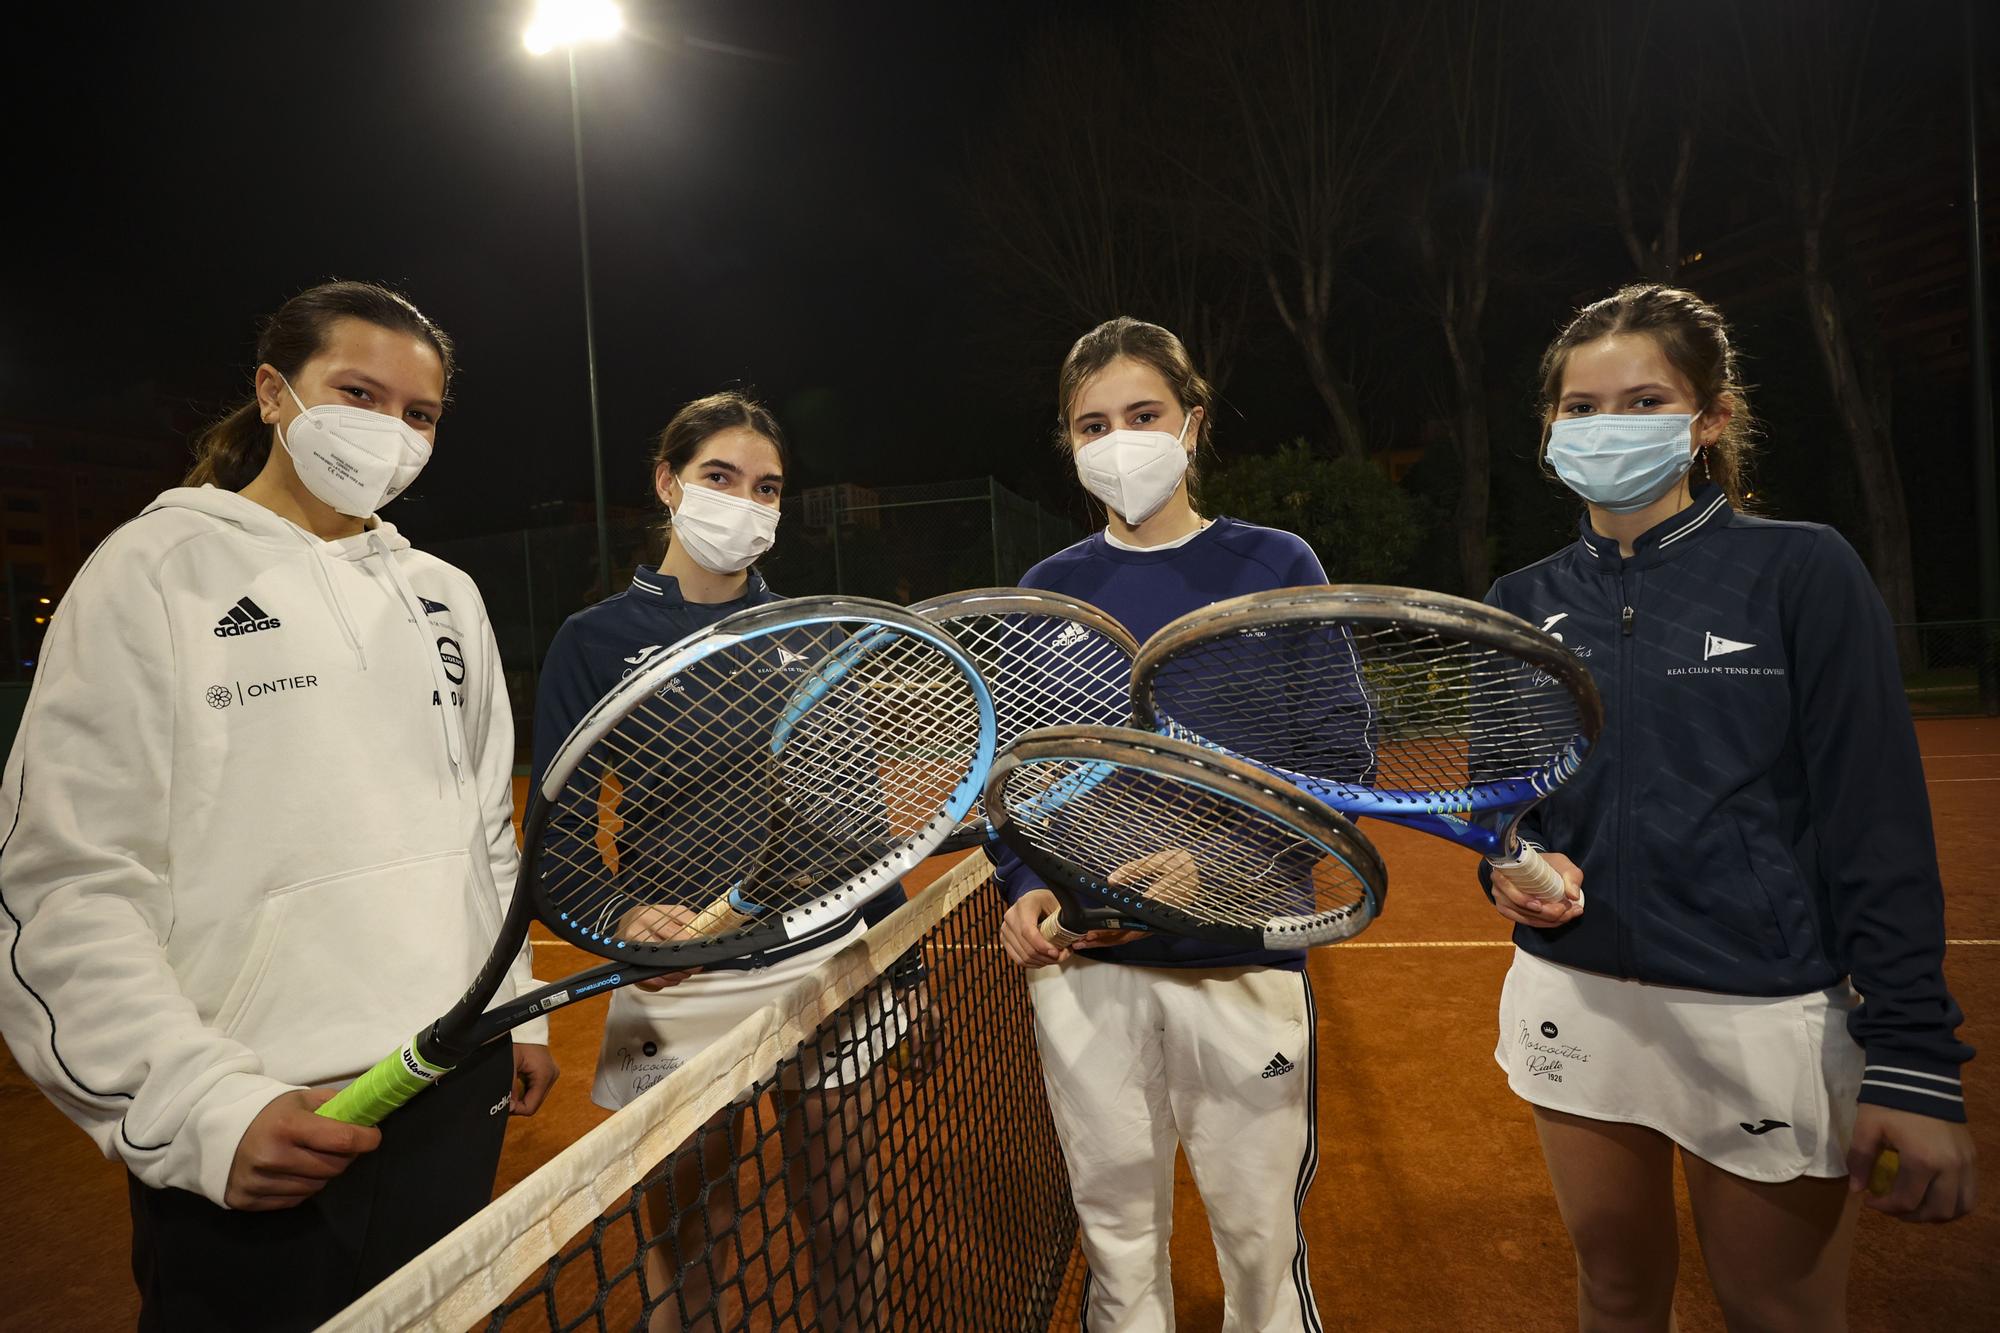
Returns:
(896,543)
(1951,668)
(903,543)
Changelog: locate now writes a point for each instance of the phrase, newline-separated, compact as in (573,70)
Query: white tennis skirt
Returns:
(1763,1087)
(649,1034)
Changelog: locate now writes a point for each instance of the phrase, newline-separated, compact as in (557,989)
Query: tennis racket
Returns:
(1163,834)
(1048,660)
(1438,713)
(757,780)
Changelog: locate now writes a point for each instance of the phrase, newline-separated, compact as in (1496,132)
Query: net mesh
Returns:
(1399,708)
(1162,842)
(775,769)
(872,1151)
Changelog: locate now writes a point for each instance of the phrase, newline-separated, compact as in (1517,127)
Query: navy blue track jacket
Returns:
(600,645)
(1754,820)
(1143,591)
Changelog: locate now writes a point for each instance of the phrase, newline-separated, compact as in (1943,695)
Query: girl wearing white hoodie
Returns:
(257,831)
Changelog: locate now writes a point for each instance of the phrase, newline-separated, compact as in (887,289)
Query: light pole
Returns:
(566,24)
(1987,504)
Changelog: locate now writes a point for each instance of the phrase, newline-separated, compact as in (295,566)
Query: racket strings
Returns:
(1178,843)
(778,768)
(1044,670)
(1379,707)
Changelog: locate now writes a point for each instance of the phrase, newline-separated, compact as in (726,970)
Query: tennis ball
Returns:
(1884,1175)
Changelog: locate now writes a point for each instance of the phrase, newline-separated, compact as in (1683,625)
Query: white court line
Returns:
(1989,754)
(1426,944)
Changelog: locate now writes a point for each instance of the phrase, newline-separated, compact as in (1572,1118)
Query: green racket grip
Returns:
(394,1080)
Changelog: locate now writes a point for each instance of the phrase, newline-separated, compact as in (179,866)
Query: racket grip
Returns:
(1883,1178)
(394,1080)
(1058,934)
(1527,870)
(718,918)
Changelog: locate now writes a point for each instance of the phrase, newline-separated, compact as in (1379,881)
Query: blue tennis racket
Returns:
(1431,711)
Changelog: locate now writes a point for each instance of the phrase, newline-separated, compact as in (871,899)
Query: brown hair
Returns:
(1694,338)
(232,451)
(702,419)
(1148,344)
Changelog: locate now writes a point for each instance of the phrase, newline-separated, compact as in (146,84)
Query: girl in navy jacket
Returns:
(1757,978)
(1150,1040)
(719,470)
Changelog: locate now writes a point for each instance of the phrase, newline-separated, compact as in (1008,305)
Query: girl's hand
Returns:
(1525,909)
(535,1073)
(289,1153)
(658,921)
(1021,930)
(1937,1176)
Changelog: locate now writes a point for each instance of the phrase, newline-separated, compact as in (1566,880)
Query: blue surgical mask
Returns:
(1622,461)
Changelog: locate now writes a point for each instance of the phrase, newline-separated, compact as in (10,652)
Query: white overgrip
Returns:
(1528,871)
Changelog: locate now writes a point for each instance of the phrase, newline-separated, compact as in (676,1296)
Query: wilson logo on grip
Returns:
(418,1067)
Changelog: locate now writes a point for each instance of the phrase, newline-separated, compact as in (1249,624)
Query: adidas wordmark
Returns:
(246,617)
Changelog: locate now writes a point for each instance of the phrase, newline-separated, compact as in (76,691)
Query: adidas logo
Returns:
(1717,646)
(1279,1065)
(1069,634)
(246,617)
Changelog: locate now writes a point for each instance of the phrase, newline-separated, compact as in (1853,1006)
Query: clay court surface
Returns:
(1431,1210)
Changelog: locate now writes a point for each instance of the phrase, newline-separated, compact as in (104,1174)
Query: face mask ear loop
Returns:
(283,443)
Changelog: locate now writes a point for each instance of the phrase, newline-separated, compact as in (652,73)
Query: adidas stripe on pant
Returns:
(1223,1063)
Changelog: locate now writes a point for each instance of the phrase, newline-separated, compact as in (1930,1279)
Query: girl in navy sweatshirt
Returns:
(1150,1040)
(1754,833)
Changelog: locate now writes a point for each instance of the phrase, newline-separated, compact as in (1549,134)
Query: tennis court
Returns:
(1430,1211)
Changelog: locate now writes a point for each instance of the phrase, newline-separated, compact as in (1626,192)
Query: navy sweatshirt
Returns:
(1754,820)
(602,644)
(1143,591)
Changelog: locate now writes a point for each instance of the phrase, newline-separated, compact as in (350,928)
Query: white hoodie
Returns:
(243,822)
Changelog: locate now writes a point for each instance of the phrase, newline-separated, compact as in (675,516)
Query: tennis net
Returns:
(871,1151)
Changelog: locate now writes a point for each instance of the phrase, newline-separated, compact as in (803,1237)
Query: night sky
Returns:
(780,198)
(773,202)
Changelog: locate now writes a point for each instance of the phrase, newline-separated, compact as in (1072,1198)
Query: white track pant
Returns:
(1224,1062)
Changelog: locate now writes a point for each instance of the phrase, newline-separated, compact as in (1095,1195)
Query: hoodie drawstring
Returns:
(454,732)
(334,600)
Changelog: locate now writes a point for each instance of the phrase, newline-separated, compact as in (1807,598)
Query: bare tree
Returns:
(1635,95)
(1817,101)
(1455,227)
(1073,199)
(1298,134)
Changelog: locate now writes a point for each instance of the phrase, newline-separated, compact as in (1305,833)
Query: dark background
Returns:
(797,197)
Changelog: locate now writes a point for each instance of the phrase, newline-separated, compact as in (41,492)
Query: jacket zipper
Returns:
(1626,648)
